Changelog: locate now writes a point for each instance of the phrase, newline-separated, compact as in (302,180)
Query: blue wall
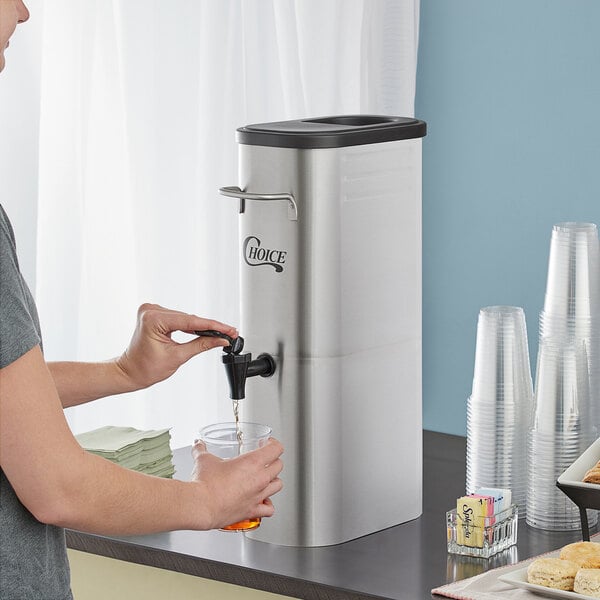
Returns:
(510,90)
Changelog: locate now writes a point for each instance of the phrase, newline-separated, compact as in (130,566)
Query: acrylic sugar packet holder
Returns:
(482,536)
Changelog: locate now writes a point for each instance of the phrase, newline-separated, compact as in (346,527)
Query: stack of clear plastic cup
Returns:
(499,409)
(567,390)
(572,304)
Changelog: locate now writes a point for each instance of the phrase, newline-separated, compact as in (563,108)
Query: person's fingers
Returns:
(148,306)
(273,488)
(270,452)
(176,321)
(203,324)
(168,320)
(274,468)
(187,350)
(191,348)
(199,447)
(206,343)
(265,509)
(264,461)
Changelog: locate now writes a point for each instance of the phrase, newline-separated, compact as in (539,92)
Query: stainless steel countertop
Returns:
(402,562)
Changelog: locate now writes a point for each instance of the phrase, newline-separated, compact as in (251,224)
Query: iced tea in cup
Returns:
(228,440)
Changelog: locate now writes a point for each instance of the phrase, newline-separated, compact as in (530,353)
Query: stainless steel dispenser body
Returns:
(331,288)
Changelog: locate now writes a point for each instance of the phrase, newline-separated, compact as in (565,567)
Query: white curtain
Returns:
(140,100)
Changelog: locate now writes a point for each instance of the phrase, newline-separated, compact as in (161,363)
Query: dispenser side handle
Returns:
(236,192)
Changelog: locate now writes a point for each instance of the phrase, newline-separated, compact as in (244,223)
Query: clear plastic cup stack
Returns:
(500,407)
(567,389)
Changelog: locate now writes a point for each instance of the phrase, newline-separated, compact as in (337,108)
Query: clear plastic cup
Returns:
(549,455)
(562,391)
(501,356)
(568,327)
(571,312)
(567,390)
(573,284)
(226,440)
(499,409)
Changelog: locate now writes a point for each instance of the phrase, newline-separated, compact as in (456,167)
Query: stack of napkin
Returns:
(144,451)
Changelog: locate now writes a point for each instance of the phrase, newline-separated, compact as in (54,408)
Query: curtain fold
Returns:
(140,100)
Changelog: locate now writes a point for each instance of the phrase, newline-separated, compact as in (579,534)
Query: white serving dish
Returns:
(518,578)
(584,495)
(574,475)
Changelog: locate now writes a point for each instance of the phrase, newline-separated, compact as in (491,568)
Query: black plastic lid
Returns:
(332,132)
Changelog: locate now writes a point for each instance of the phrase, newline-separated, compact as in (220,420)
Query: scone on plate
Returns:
(593,475)
(553,573)
(587,582)
(585,554)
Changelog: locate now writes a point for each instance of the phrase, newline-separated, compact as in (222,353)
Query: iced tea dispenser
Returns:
(330,261)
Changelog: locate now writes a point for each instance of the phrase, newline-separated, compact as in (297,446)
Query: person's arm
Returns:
(63,485)
(151,357)
(80,382)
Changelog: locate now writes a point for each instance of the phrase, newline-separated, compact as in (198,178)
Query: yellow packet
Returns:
(471,512)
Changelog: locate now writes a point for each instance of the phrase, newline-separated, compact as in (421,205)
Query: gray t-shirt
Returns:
(33,555)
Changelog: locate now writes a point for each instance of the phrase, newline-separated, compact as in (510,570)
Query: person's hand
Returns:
(153,356)
(238,488)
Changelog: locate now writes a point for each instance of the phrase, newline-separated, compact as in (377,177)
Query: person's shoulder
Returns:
(3,215)
(8,247)
(7,233)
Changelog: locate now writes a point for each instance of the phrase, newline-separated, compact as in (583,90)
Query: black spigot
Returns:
(239,367)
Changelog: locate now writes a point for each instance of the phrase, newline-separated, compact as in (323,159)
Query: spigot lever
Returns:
(235,345)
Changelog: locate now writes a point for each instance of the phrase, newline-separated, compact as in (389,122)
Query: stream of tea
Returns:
(238,430)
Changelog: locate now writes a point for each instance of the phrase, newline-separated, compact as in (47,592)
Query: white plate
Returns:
(519,579)
(575,473)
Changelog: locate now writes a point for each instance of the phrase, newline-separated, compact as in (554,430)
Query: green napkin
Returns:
(116,439)
(144,451)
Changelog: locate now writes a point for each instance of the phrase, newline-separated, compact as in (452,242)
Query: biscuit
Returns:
(593,475)
(553,573)
(587,582)
(585,554)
